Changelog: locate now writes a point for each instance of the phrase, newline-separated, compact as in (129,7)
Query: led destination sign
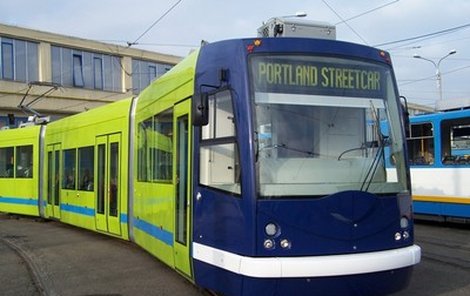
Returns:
(293,76)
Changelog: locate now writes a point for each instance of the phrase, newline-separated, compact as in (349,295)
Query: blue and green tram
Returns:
(20,173)
(255,166)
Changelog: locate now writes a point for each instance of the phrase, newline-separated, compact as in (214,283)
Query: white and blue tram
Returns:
(439,155)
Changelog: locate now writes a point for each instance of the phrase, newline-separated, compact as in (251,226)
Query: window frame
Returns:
(11,51)
(22,170)
(447,140)
(86,181)
(212,141)
(420,160)
(9,162)
(98,78)
(65,168)
(77,70)
(147,154)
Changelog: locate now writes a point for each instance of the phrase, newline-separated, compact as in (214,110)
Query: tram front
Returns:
(329,218)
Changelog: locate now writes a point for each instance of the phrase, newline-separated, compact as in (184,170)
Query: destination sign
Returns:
(334,79)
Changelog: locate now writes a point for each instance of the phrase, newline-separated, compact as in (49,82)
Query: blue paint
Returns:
(441,209)
(157,232)
(77,210)
(19,201)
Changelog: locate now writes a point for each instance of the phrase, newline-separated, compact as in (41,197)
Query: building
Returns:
(55,75)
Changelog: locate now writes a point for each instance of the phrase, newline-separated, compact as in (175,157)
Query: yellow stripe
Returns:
(445,199)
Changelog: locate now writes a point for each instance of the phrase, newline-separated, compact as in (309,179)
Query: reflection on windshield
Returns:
(315,145)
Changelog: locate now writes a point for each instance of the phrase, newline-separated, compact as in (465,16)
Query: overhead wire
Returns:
(367,12)
(433,76)
(425,36)
(345,22)
(129,44)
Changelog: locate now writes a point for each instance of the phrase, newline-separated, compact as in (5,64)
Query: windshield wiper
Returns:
(364,146)
(383,141)
(284,146)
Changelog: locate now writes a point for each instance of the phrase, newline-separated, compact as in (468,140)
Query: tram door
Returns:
(53,181)
(181,173)
(108,180)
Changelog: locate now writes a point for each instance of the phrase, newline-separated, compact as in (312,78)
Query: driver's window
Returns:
(219,165)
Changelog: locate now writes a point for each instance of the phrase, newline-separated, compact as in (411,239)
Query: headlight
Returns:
(285,244)
(270,229)
(268,244)
(406,235)
(397,236)
(404,222)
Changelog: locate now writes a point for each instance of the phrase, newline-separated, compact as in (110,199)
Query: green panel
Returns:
(79,205)
(101,181)
(19,170)
(182,175)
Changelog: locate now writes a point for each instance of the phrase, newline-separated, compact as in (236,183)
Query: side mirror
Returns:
(200,109)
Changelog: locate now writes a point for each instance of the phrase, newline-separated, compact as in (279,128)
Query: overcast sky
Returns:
(119,21)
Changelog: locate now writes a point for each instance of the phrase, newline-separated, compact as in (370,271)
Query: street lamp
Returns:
(438,71)
(297,14)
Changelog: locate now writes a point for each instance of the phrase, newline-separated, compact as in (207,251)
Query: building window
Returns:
(7,60)
(98,72)
(77,71)
(152,73)
(91,70)
(144,72)
(18,60)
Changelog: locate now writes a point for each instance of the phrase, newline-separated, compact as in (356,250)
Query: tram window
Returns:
(219,161)
(221,123)
(24,161)
(6,162)
(143,157)
(68,170)
(162,147)
(421,144)
(85,168)
(155,148)
(455,141)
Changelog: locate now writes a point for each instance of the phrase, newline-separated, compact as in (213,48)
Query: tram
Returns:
(254,167)
(439,154)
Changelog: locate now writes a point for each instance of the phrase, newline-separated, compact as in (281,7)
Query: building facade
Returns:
(54,75)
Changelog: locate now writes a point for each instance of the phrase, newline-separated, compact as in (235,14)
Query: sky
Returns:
(183,27)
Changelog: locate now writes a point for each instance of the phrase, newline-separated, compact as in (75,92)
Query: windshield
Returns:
(322,125)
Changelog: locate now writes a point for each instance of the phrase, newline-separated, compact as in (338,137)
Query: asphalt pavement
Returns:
(51,258)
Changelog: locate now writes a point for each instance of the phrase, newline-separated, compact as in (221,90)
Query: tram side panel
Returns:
(86,169)
(439,154)
(19,170)
(161,114)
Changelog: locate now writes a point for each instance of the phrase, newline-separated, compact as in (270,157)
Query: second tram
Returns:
(439,151)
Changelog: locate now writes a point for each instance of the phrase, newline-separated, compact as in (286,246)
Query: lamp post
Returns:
(438,71)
